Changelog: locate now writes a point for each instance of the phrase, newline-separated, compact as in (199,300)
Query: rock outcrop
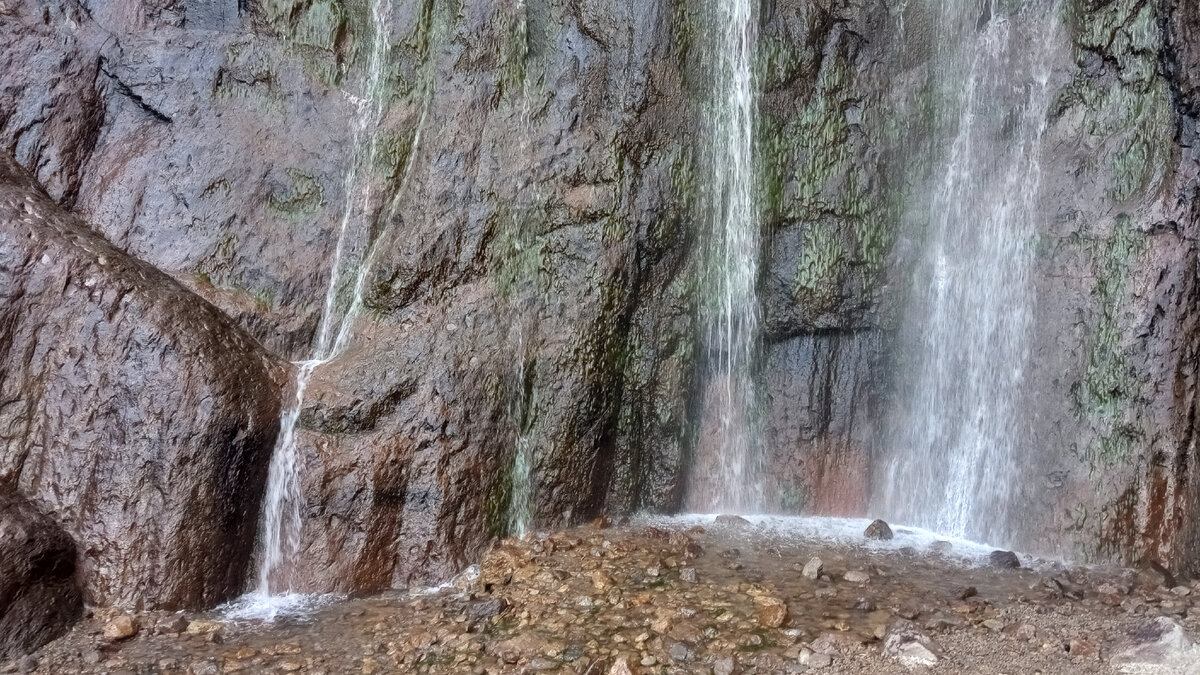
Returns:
(528,204)
(136,412)
(39,593)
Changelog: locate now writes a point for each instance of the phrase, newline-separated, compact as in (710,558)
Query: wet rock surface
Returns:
(39,595)
(552,616)
(533,225)
(139,415)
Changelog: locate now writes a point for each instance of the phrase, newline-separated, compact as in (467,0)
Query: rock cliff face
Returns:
(531,230)
(136,412)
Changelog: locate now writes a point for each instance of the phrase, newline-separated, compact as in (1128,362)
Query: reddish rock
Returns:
(141,416)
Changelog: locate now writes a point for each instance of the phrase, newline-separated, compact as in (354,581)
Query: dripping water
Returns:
(727,473)
(956,439)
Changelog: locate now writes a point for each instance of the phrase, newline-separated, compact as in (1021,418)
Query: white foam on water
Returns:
(258,606)
(846,532)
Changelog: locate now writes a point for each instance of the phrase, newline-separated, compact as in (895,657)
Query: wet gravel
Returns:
(679,596)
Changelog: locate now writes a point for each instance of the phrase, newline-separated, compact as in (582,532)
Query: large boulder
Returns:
(138,413)
(39,593)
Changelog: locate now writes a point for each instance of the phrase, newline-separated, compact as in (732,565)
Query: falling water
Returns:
(955,442)
(524,304)
(281,519)
(728,472)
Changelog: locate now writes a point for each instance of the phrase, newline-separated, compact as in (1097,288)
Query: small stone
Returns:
(121,628)
(879,530)
(993,624)
(816,660)
(968,592)
(171,625)
(649,660)
(856,577)
(620,667)
(1182,591)
(202,627)
(1083,648)
(290,666)
(909,646)
(688,574)
(540,663)
(27,664)
(732,520)
(679,652)
(812,569)
(1004,560)
(653,572)
(941,547)
(486,609)
(725,666)
(772,611)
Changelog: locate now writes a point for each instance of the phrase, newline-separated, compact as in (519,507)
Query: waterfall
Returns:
(281,518)
(524,305)
(955,440)
(727,470)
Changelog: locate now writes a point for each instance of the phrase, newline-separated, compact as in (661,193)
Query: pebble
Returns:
(856,577)
(122,627)
(816,660)
(772,612)
(725,666)
(203,627)
(1004,560)
(812,569)
(1083,648)
(879,530)
(688,574)
(620,667)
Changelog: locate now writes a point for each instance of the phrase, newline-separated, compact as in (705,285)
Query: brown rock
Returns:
(122,627)
(731,520)
(141,416)
(1082,648)
(620,667)
(1004,560)
(772,612)
(878,530)
(39,596)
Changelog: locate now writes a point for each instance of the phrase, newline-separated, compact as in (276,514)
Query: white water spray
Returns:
(955,445)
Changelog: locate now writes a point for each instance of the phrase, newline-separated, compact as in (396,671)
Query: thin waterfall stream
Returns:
(281,518)
(728,473)
(956,441)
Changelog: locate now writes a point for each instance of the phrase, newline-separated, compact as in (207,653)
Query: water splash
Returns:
(957,437)
(728,473)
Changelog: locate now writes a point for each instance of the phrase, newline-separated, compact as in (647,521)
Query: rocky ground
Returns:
(692,596)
